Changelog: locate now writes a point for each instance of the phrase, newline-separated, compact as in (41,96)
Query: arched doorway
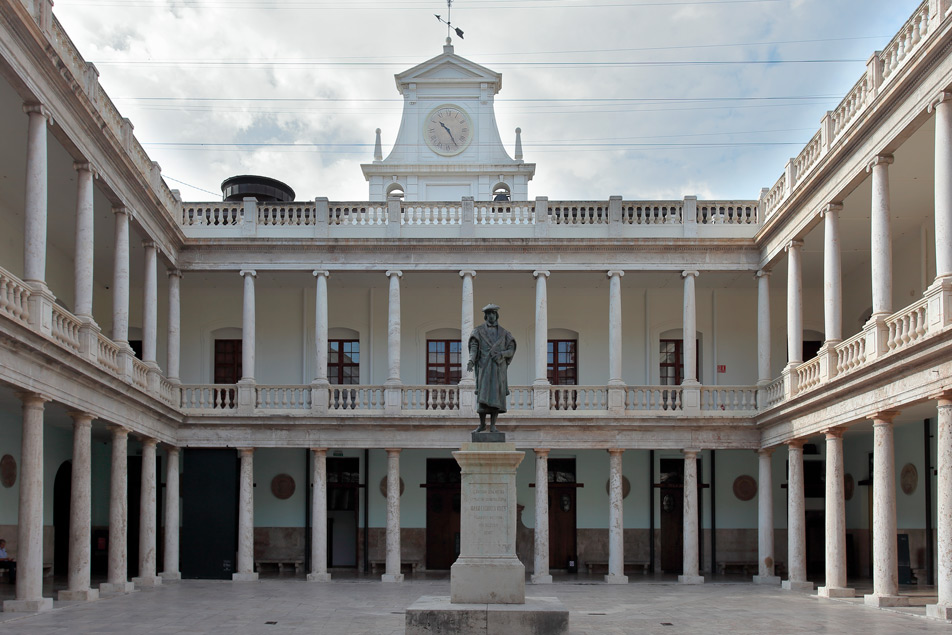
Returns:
(62,485)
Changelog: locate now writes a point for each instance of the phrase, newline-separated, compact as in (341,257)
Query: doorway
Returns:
(209,486)
(343,493)
(671,486)
(62,486)
(562,513)
(442,513)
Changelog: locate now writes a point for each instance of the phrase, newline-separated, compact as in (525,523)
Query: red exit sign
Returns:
(722,368)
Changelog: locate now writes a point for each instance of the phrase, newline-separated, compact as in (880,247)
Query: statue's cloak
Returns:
(494,348)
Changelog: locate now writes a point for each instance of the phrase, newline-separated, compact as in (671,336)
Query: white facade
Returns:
(848,257)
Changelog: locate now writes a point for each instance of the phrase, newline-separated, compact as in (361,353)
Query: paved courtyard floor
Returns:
(363,605)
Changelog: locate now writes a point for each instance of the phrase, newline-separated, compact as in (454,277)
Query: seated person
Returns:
(8,563)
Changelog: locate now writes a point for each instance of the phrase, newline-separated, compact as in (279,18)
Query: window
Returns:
(227,361)
(563,362)
(343,362)
(443,362)
(672,362)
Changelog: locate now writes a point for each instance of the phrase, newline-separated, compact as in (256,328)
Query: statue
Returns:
(491,348)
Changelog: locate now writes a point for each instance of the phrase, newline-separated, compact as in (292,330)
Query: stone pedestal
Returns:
(436,614)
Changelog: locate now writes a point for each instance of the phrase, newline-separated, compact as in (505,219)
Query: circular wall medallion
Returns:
(625,486)
(282,486)
(8,470)
(383,487)
(908,478)
(745,487)
(848,485)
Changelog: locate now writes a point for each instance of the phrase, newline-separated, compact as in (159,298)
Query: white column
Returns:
(765,520)
(393,518)
(616,521)
(147,522)
(943,186)
(689,331)
(835,529)
(832,274)
(85,241)
(614,328)
(174,344)
(320,326)
(466,323)
(246,518)
(35,196)
(150,303)
(248,325)
(885,552)
(116,580)
(29,589)
(763,328)
(943,608)
(120,277)
(881,247)
(540,573)
(80,512)
(691,573)
(171,568)
(796,522)
(794,304)
(319,571)
(541,329)
(393,329)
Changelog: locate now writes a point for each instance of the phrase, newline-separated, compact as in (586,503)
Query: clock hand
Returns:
(453,139)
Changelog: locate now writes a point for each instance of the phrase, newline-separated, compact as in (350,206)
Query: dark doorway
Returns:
(442,512)
(209,485)
(61,495)
(672,515)
(562,513)
(343,493)
(815,522)
(134,498)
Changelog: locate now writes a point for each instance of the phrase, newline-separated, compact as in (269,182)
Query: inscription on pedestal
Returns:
(488,508)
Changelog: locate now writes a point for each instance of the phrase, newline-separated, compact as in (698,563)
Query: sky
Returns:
(647,99)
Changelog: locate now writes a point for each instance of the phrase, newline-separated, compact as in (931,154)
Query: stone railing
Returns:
(283,397)
(107,354)
(286,214)
(505,213)
(430,397)
(651,212)
(882,70)
(66,328)
(654,398)
(578,398)
(209,398)
(578,213)
(907,326)
(431,213)
(355,397)
(727,213)
(520,398)
(212,214)
(772,394)
(14,298)
(140,374)
(359,214)
(808,374)
(728,398)
(169,393)
(850,353)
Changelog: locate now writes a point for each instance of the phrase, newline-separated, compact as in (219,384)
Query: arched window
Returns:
(395,189)
(444,357)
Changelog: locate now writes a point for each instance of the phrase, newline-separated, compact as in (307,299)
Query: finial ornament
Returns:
(448,22)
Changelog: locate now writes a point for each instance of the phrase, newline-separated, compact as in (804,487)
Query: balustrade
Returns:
(653,398)
(808,375)
(906,326)
(728,398)
(851,353)
(727,213)
(211,397)
(287,214)
(431,213)
(283,397)
(581,213)
(504,213)
(357,214)
(773,393)
(108,354)
(140,374)
(430,398)
(355,397)
(212,214)
(66,328)
(651,212)
(14,298)
(520,398)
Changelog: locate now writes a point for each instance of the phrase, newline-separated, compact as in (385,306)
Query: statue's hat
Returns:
(491,307)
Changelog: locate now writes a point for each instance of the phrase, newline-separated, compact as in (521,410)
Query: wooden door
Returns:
(562,515)
(343,498)
(672,515)
(442,513)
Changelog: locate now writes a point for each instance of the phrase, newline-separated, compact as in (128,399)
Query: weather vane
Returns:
(449,25)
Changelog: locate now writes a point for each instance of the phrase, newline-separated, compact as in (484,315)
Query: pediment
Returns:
(451,68)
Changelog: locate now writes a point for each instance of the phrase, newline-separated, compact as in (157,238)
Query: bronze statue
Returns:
(491,348)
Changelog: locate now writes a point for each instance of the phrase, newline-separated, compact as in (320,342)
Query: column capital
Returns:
(149,244)
(247,272)
(796,444)
(117,430)
(394,272)
(81,417)
(175,273)
(615,450)
(834,433)
(86,166)
(942,97)
(391,451)
(690,453)
(33,399)
(170,449)
(615,272)
(540,273)
(793,244)
(467,272)
(541,452)
(879,159)
(944,398)
(883,416)
(148,441)
(121,209)
(766,451)
(762,273)
(35,107)
(829,208)
(319,450)
(243,452)
(690,272)
(321,272)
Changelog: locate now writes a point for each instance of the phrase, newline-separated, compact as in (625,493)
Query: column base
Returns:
(939,611)
(616,579)
(170,576)
(85,595)
(797,585)
(772,580)
(392,578)
(318,577)
(881,601)
(115,588)
(690,579)
(244,577)
(540,579)
(28,606)
(835,592)
(147,581)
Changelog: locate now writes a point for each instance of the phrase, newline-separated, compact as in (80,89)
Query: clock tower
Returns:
(448,145)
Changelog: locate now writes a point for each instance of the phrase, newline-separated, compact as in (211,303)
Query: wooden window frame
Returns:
(452,372)
(335,370)
(678,365)
(556,370)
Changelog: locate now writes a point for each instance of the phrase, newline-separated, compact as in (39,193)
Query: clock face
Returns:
(448,130)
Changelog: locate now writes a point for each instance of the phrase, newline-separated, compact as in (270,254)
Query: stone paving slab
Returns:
(363,606)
